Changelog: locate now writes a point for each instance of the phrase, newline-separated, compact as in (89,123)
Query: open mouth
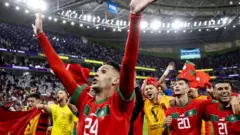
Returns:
(149,95)
(177,90)
(94,81)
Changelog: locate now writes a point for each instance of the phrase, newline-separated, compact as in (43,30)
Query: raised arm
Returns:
(54,60)
(131,49)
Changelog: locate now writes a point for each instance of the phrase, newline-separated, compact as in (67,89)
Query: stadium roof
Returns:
(208,20)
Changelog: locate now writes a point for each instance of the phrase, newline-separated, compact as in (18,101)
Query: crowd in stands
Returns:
(17,37)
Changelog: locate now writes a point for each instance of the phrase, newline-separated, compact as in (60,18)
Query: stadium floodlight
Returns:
(184,31)
(207,30)
(37,4)
(64,21)
(195,24)
(98,19)
(200,23)
(55,19)
(104,28)
(155,25)
(88,27)
(121,23)
(124,23)
(17,8)
(49,18)
(163,25)
(114,30)
(97,27)
(89,18)
(185,24)
(199,30)
(144,25)
(216,28)
(81,25)
(84,17)
(117,22)
(205,23)
(6,4)
(224,20)
(168,25)
(26,11)
(72,23)
(230,2)
(177,24)
(94,19)
(234,26)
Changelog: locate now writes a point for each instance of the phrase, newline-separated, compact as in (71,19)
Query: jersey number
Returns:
(183,123)
(222,129)
(93,128)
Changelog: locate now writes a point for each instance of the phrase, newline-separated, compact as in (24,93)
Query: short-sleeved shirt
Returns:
(62,120)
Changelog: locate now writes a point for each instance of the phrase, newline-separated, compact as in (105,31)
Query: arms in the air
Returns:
(131,49)
(53,59)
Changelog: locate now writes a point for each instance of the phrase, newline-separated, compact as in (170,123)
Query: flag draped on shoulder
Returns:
(15,123)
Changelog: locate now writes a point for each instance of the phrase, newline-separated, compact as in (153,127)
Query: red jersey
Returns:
(224,121)
(109,117)
(187,120)
(113,112)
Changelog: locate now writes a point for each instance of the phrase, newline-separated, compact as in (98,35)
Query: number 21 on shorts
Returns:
(183,123)
(222,129)
(91,126)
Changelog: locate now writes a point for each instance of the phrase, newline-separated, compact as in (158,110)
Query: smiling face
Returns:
(181,87)
(222,92)
(105,78)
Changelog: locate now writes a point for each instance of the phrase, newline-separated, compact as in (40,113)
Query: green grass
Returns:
(145,127)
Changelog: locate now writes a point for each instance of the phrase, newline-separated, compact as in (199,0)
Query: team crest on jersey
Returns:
(222,119)
(182,115)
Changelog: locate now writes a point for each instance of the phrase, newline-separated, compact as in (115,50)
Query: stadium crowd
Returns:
(84,109)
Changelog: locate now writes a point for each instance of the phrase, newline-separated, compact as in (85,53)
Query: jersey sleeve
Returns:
(58,66)
(126,88)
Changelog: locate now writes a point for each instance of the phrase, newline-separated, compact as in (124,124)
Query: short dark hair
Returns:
(222,81)
(35,95)
(181,79)
(114,65)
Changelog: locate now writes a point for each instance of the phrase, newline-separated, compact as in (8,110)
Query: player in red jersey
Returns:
(220,114)
(186,117)
(109,112)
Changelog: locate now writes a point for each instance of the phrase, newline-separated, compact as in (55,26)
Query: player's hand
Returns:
(39,106)
(235,105)
(168,121)
(171,66)
(37,28)
(137,6)
(210,91)
(172,102)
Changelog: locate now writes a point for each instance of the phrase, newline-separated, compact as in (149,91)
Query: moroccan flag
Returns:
(203,79)
(188,72)
(79,74)
(14,123)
